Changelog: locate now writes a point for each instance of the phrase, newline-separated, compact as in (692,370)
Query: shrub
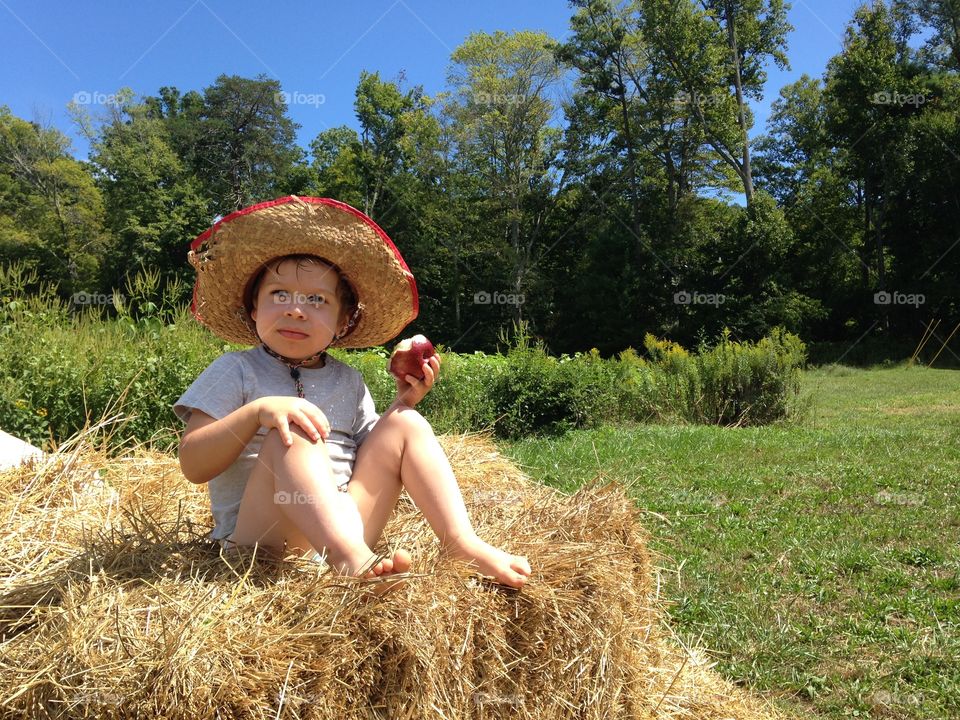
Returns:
(731,383)
(61,369)
(637,390)
(533,396)
(461,401)
(749,384)
(372,364)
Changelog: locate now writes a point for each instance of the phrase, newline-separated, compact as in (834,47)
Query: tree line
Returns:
(597,188)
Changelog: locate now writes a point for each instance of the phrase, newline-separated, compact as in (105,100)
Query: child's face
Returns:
(296,309)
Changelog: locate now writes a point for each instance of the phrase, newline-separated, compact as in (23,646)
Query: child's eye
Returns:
(316,299)
(281,296)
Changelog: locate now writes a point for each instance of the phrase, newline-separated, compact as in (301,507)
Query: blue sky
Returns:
(53,52)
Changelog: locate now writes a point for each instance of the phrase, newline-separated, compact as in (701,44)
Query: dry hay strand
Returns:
(113,604)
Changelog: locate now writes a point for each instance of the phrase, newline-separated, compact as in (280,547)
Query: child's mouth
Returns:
(292,334)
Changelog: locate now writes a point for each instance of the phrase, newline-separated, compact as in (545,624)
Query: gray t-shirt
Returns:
(237,378)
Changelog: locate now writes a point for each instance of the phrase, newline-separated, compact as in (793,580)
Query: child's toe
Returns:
(515,579)
(401,561)
(521,566)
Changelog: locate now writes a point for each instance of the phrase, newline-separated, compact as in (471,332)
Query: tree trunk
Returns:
(456,286)
(745,174)
(878,228)
(631,158)
(861,254)
(954,39)
(673,190)
(519,263)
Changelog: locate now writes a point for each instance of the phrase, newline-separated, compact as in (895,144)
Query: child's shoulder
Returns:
(231,363)
(233,358)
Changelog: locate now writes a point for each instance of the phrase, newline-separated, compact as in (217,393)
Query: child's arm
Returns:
(209,446)
(410,390)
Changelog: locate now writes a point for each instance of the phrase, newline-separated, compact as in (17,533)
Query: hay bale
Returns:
(112,604)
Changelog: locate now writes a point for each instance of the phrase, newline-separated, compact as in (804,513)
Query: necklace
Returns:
(295,366)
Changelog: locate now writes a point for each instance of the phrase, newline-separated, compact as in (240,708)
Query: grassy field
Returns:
(818,560)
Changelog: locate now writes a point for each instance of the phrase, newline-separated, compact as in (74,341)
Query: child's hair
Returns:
(345,294)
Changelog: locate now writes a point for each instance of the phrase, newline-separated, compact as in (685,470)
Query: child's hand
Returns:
(410,390)
(280,411)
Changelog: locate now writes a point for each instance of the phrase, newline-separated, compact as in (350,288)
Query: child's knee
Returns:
(273,442)
(410,422)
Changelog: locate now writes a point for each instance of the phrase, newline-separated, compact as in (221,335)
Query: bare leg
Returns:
(402,452)
(291,504)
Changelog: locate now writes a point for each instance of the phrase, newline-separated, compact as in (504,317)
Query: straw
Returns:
(113,604)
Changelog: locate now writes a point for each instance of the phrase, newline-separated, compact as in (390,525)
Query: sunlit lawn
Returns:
(818,561)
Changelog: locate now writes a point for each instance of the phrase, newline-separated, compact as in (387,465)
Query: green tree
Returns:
(388,117)
(797,144)
(154,204)
(814,183)
(865,115)
(238,141)
(502,114)
(628,106)
(942,17)
(718,50)
(52,211)
(334,164)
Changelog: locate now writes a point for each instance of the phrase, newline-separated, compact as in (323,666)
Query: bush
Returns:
(731,383)
(748,384)
(636,388)
(536,394)
(62,369)
(372,364)
(461,401)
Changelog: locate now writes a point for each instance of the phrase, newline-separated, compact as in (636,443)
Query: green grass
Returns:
(818,561)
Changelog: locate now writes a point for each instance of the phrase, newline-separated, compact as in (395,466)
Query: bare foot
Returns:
(384,568)
(506,569)
(399,563)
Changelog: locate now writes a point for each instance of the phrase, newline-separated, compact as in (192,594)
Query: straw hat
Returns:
(228,256)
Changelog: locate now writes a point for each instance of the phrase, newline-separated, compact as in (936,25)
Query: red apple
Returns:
(409,355)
